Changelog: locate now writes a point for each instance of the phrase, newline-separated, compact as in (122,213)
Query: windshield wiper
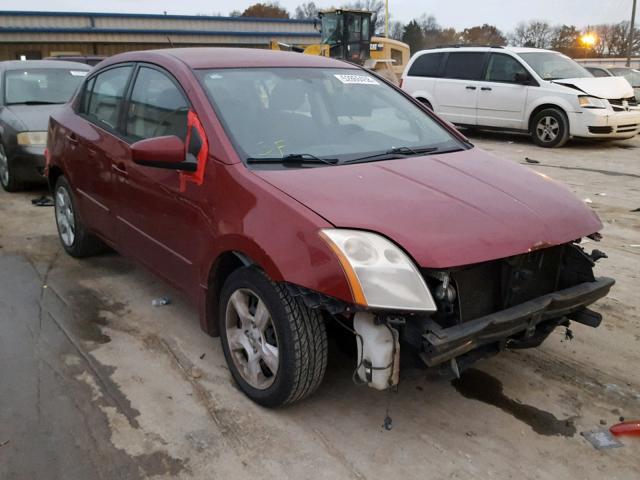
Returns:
(396,152)
(293,158)
(35,102)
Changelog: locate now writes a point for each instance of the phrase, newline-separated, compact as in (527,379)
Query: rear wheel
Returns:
(8,179)
(275,347)
(550,128)
(426,103)
(74,236)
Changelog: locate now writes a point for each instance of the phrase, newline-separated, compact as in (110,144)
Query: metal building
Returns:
(34,35)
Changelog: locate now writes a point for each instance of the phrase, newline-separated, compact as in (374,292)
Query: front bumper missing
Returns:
(443,344)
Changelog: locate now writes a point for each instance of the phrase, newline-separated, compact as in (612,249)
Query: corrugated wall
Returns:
(38,34)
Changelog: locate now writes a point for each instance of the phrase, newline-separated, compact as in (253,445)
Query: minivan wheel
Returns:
(426,103)
(75,238)
(8,180)
(275,347)
(550,128)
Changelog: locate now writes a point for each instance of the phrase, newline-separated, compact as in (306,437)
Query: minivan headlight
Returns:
(32,138)
(380,274)
(592,102)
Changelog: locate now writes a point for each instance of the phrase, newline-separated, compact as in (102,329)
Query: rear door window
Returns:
(105,101)
(427,65)
(464,65)
(157,107)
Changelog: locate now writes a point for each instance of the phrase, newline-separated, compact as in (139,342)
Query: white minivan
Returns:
(541,92)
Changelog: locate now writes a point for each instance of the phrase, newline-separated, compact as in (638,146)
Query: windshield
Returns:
(632,76)
(344,114)
(554,66)
(41,85)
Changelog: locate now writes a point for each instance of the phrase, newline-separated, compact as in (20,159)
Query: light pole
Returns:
(386,17)
(631,33)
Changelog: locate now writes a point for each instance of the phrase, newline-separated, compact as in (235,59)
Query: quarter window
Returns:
(464,65)
(105,100)
(503,68)
(157,107)
(427,65)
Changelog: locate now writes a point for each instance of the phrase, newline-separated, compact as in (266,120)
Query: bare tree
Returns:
(535,33)
(396,29)
(375,6)
(306,11)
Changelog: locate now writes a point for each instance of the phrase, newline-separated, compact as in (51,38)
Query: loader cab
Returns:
(348,34)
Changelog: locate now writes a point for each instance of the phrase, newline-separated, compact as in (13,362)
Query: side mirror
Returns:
(523,78)
(162,152)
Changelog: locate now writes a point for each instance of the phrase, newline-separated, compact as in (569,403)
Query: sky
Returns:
(505,14)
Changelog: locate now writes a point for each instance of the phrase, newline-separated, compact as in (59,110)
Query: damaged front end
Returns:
(481,309)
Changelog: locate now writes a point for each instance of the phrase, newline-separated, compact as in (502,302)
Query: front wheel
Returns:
(275,347)
(8,178)
(550,128)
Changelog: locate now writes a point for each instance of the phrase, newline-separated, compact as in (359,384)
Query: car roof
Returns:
(225,57)
(471,48)
(20,64)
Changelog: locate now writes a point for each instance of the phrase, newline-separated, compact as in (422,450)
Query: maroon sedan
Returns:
(282,192)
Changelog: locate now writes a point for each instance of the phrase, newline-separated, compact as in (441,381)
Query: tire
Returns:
(8,179)
(249,338)
(550,128)
(426,103)
(74,236)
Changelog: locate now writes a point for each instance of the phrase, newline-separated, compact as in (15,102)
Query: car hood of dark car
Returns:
(33,118)
(446,210)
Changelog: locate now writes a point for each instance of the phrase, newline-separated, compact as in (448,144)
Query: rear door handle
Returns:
(72,139)
(470,87)
(486,88)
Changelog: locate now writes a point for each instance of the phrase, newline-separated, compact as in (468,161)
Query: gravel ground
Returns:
(97,383)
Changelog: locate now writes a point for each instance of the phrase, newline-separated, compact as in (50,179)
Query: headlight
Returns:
(380,274)
(32,138)
(592,102)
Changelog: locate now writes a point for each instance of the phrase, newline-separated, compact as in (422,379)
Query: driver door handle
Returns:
(470,87)
(120,169)
(486,89)
(71,139)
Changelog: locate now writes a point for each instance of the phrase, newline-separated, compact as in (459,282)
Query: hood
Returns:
(445,210)
(34,118)
(601,87)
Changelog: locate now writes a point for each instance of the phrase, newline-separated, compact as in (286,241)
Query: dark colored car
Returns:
(30,91)
(283,191)
(91,60)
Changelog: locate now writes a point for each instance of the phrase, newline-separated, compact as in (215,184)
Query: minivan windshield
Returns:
(301,113)
(41,85)
(554,66)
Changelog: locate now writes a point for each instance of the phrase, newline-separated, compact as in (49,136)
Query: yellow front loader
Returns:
(348,34)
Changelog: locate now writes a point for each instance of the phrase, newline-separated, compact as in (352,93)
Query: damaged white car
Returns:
(541,92)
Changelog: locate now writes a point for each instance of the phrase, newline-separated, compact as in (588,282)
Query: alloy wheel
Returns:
(252,338)
(65,217)
(548,129)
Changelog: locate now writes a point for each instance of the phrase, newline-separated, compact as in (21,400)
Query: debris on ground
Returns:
(202,356)
(43,201)
(601,439)
(587,200)
(630,427)
(388,423)
(531,160)
(160,301)
(635,210)
(2,444)
(195,372)
(602,194)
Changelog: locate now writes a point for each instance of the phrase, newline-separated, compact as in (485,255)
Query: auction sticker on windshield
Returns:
(356,79)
